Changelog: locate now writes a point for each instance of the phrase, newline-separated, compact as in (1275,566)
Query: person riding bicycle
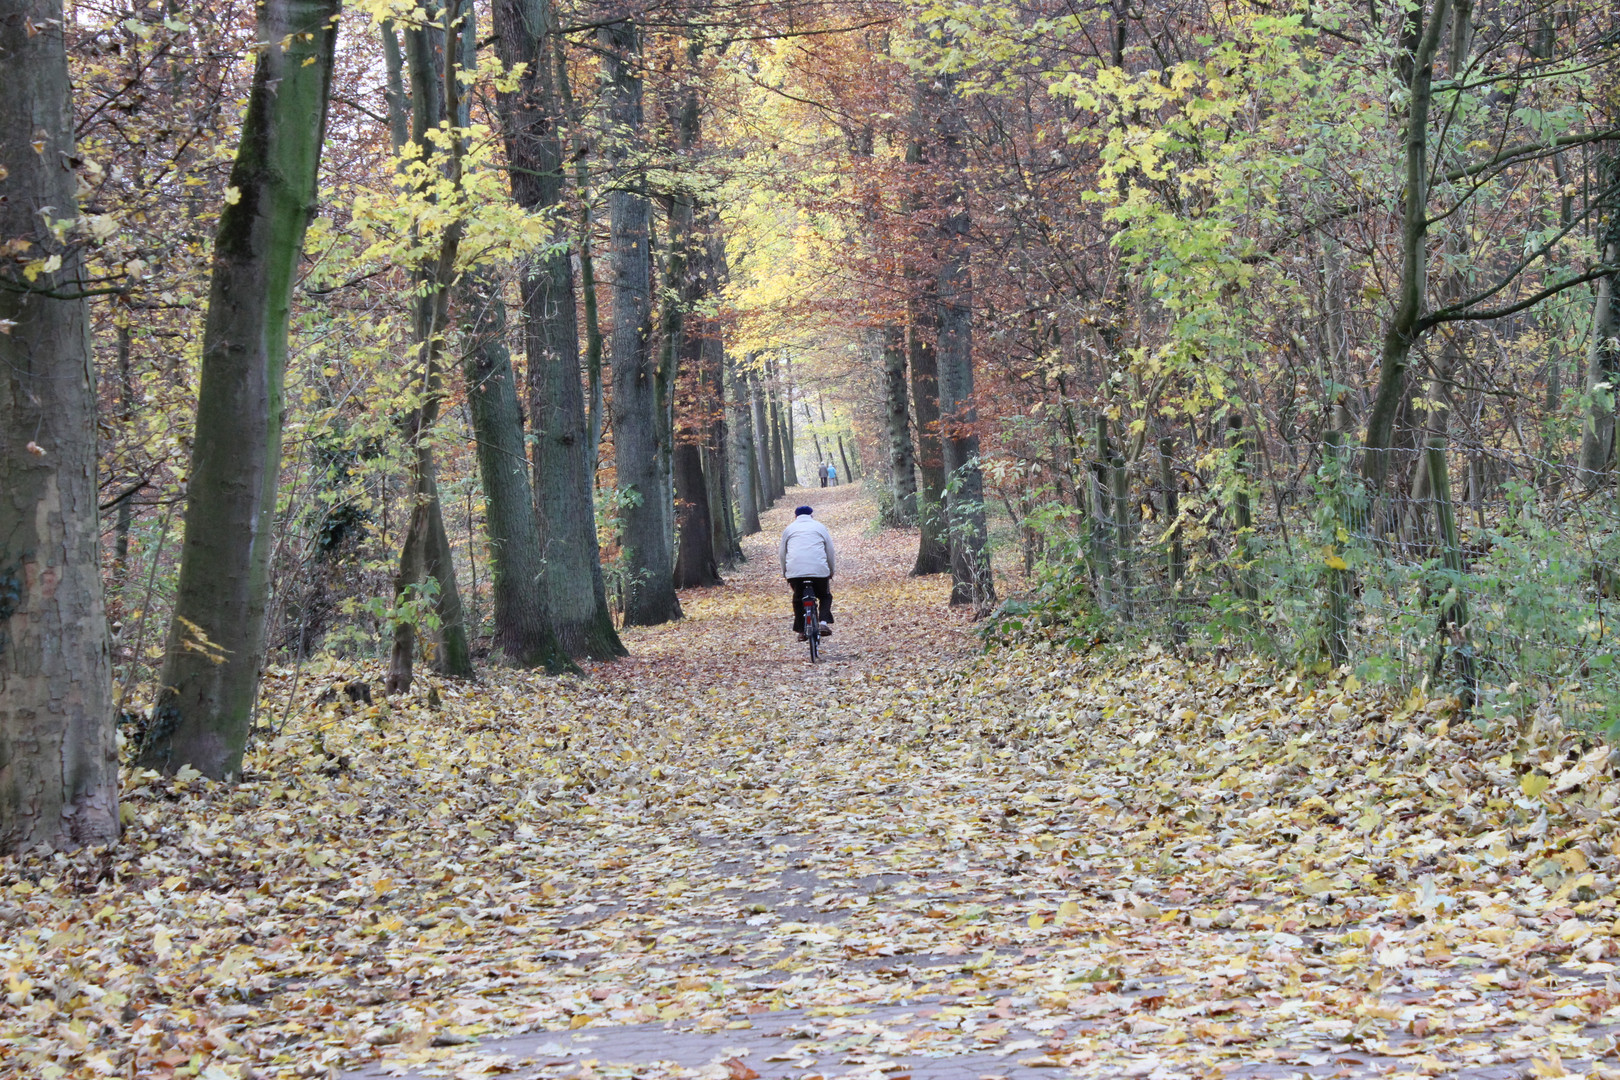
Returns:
(807,556)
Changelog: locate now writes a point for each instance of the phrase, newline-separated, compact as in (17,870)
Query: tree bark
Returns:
(58,762)
(773,409)
(639,453)
(717,454)
(932,555)
(971,579)
(565,437)
(1401,332)
(211,666)
(746,468)
(523,632)
(696,561)
(766,458)
(433,62)
(784,412)
(902,455)
(1602,370)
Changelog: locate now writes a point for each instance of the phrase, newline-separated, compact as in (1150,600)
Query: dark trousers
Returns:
(823,598)
(823,481)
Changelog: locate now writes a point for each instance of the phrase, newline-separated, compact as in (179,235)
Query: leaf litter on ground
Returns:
(1135,865)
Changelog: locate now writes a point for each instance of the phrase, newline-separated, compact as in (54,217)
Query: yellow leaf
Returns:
(1534,783)
(1036,922)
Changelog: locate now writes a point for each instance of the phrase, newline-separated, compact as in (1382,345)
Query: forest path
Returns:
(715,860)
(738,633)
(886,866)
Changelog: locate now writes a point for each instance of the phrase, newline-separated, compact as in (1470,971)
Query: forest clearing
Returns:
(716,860)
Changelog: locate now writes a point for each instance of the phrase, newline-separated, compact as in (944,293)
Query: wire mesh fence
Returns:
(1476,571)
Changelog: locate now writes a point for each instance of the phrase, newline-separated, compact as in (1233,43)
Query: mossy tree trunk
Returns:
(215,651)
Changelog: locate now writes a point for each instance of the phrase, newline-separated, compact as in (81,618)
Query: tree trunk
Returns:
(716,450)
(784,417)
(523,632)
(902,456)
(815,439)
(746,467)
(426,550)
(58,762)
(1602,369)
(689,282)
(126,414)
(638,451)
(1402,330)
(850,475)
(766,460)
(932,555)
(211,666)
(566,437)
(778,443)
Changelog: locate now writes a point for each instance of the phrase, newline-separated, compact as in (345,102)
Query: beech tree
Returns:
(640,403)
(215,650)
(564,436)
(58,768)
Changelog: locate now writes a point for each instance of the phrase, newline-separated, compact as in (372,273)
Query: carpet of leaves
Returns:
(1128,867)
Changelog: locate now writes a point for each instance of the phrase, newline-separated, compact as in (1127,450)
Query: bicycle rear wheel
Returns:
(812,626)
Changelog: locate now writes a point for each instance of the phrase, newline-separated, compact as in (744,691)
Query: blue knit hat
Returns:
(803,510)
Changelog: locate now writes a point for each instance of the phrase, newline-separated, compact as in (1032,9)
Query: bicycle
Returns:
(812,620)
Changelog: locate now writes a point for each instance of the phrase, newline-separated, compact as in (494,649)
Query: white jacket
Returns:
(807,549)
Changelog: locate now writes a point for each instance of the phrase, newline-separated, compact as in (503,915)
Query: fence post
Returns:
(1177,557)
(1453,626)
(1338,578)
(1241,517)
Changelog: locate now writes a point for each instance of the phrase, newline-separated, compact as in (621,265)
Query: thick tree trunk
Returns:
(902,456)
(638,452)
(58,763)
(565,437)
(688,285)
(971,580)
(211,668)
(523,632)
(564,483)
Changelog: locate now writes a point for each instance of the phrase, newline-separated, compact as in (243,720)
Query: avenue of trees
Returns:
(469,332)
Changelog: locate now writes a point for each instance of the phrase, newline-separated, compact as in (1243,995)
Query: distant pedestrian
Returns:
(821,471)
(832,474)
